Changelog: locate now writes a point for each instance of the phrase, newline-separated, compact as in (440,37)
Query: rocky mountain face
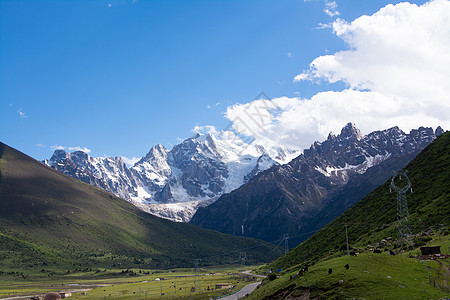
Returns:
(173,184)
(301,196)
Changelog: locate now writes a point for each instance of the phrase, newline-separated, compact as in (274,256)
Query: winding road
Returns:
(246,289)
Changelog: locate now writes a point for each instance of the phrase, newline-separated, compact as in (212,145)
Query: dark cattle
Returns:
(377,251)
(352,253)
(52,296)
(330,270)
(391,252)
(347,266)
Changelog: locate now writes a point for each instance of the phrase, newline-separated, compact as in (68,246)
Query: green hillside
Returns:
(369,222)
(369,276)
(48,219)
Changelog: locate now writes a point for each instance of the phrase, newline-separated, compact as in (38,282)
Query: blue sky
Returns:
(118,77)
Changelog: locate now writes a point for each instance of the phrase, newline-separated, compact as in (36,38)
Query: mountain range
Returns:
(184,183)
(173,183)
(300,197)
(50,220)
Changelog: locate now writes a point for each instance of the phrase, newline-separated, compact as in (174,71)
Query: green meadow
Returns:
(129,284)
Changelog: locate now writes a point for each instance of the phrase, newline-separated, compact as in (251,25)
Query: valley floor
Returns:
(174,284)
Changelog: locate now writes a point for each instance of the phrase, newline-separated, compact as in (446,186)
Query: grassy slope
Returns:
(48,218)
(369,221)
(370,276)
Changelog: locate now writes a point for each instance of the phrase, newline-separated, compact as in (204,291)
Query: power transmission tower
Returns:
(286,243)
(243,257)
(346,238)
(197,273)
(403,222)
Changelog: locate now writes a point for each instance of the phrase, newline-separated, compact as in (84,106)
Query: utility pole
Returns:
(346,238)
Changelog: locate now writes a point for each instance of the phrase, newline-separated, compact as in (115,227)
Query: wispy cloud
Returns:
(70,148)
(130,161)
(290,55)
(22,114)
(324,26)
(40,145)
(331,8)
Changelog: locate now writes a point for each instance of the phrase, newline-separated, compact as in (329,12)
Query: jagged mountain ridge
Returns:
(287,198)
(174,183)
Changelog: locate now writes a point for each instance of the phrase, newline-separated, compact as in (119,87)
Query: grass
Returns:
(176,284)
(370,276)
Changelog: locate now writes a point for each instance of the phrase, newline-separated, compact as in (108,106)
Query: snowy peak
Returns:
(156,153)
(58,155)
(350,131)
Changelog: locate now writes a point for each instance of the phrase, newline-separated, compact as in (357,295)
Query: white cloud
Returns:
(290,55)
(205,129)
(324,25)
(397,71)
(399,58)
(22,114)
(130,161)
(40,145)
(70,148)
(331,8)
(301,77)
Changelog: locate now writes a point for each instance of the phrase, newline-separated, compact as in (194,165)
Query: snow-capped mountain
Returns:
(315,187)
(108,173)
(173,184)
